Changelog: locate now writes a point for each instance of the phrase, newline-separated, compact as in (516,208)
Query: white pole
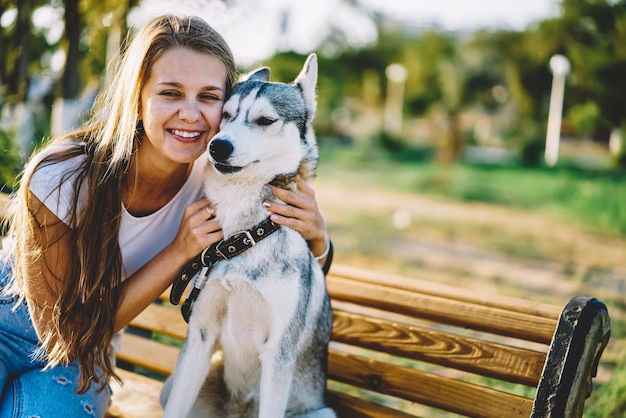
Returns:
(560,67)
(392,118)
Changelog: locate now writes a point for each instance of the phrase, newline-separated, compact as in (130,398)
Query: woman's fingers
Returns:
(299,210)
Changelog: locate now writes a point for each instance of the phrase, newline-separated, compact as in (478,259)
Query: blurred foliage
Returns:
(583,117)
(9,159)
(502,74)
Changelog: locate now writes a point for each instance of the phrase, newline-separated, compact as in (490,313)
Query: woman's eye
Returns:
(210,97)
(170,93)
(263,121)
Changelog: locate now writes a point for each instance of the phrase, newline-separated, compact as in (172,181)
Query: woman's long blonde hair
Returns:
(89,295)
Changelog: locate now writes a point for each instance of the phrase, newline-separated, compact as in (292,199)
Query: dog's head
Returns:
(266,128)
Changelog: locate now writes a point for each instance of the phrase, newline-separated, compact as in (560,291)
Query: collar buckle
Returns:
(232,248)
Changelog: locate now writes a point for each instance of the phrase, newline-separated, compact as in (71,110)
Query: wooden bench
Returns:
(400,345)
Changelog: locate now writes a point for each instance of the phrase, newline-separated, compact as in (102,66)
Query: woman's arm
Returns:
(300,212)
(45,271)
(197,231)
(44,276)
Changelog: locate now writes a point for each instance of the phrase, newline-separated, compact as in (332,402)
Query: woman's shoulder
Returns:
(48,171)
(54,180)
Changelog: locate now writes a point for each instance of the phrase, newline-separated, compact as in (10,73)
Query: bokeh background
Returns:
(433,120)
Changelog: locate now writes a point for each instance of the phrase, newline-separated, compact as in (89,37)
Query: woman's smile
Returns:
(185,136)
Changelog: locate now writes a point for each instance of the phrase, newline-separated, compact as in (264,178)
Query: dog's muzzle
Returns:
(220,150)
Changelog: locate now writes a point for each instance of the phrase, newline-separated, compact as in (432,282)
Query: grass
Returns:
(591,199)
(610,398)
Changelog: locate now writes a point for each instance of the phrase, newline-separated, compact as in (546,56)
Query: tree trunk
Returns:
(71,74)
(18,78)
(67,109)
(4,52)
(452,144)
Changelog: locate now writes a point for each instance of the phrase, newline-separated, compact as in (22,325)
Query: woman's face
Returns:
(181,105)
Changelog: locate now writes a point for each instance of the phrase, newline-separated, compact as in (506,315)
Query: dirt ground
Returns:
(477,246)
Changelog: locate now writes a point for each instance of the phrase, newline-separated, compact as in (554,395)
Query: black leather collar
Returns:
(223,250)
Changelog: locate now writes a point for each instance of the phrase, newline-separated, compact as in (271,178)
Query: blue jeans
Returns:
(26,391)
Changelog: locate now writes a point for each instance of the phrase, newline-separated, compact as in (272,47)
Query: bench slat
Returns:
(385,378)
(439,289)
(425,388)
(494,360)
(138,397)
(472,355)
(352,407)
(453,312)
(148,354)
(162,319)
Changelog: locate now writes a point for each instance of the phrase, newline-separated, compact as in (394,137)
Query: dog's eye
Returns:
(263,121)
(226,115)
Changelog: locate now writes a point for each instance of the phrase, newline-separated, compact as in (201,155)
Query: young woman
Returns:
(107,216)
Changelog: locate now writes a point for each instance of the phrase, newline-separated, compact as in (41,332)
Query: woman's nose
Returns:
(189,112)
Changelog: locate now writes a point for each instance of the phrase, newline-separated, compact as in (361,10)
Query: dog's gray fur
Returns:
(264,316)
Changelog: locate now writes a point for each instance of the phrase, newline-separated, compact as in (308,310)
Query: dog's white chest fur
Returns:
(249,310)
(245,325)
(246,314)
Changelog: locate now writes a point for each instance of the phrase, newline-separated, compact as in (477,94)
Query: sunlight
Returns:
(257,29)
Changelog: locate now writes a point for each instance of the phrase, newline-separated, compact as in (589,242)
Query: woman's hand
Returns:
(198,229)
(300,212)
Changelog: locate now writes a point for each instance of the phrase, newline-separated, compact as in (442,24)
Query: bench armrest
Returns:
(581,335)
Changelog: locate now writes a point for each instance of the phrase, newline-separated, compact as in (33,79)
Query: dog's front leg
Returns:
(276,377)
(194,360)
(191,371)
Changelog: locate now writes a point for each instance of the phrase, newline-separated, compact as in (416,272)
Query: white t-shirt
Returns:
(140,238)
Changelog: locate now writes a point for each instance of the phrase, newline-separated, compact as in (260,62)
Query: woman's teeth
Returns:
(185,134)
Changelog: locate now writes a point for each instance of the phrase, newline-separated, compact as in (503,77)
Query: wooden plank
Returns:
(446,291)
(349,406)
(137,397)
(162,319)
(482,357)
(439,309)
(148,354)
(168,320)
(427,389)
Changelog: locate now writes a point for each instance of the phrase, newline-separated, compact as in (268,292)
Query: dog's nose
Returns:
(220,150)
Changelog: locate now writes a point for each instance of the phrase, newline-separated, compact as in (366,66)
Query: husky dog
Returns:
(263,316)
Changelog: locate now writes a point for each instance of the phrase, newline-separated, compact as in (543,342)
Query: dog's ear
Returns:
(260,74)
(307,80)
